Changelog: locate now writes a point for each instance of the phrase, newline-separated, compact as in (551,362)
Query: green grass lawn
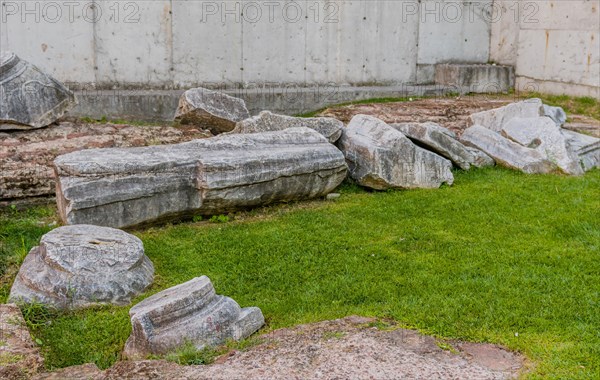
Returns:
(499,257)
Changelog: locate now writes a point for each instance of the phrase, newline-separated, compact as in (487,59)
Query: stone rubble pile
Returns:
(528,136)
(275,158)
(255,161)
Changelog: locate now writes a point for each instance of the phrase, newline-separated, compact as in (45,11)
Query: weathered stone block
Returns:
(505,152)
(188,313)
(557,114)
(133,186)
(29,98)
(496,118)
(543,135)
(79,266)
(215,111)
(587,148)
(439,140)
(381,157)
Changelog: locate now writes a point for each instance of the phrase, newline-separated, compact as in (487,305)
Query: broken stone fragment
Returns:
(267,121)
(82,265)
(557,114)
(212,110)
(587,149)
(189,313)
(29,98)
(496,118)
(543,135)
(439,140)
(506,152)
(381,157)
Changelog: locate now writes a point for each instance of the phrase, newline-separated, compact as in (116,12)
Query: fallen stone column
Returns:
(134,186)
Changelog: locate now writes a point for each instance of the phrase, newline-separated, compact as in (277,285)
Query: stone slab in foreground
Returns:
(188,313)
(82,265)
(130,187)
(380,157)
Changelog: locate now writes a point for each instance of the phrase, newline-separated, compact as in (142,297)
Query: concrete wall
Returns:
(553,44)
(173,44)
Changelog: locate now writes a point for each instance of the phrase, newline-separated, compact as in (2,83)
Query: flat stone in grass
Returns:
(188,313)
(267,121)
(212,110)
(496,118)
(381,157)
(82,265)
(506,152)
(543,135)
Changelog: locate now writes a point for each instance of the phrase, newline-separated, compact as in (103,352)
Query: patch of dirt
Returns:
(26,157)
(583,124)
(451,113)
(348,348)
(19,356)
